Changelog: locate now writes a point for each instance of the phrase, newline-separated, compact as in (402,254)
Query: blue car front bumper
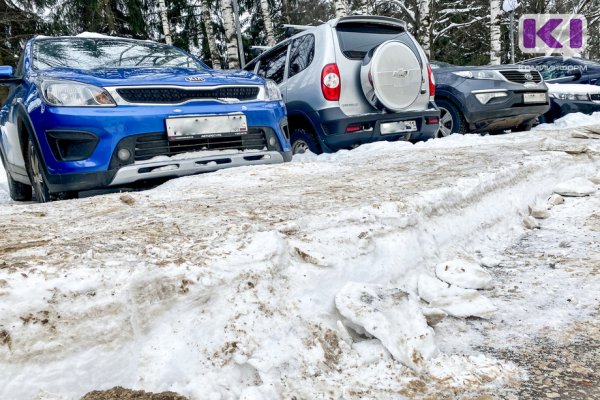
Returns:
(81,145)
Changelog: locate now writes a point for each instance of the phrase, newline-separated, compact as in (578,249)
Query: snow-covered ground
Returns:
(306,280)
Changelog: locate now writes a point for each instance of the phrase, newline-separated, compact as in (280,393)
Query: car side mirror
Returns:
(6,71)
(7,76)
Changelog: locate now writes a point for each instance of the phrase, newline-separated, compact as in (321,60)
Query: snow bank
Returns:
(574,120)
(224,285)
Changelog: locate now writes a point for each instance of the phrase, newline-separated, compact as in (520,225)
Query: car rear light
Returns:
(432,120)
(431,81)
(353,128)
(331,84)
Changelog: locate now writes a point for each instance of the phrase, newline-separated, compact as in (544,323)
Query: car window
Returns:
(272,66)
(556,68)
(302,53)
(93,53)
(356,39)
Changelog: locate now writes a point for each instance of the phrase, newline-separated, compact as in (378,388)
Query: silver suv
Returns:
(350,81)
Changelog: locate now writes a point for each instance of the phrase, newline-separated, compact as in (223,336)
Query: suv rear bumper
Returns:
(334,122)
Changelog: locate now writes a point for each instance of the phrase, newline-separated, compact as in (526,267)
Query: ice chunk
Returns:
(489,262)
(539,211)
(578,187)
(464,274)
(392,316)
(556,200)
(530,222)
(457,302)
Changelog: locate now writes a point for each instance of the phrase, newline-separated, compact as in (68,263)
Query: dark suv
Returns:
(351,81)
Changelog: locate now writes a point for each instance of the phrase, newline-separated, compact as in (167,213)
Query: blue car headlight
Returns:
(63,93)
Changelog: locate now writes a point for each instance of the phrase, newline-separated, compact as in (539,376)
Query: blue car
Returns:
(94,112)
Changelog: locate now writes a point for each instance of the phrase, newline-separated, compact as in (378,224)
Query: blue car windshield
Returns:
(93,53)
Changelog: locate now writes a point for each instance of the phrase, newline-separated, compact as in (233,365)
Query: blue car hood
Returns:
(153,76)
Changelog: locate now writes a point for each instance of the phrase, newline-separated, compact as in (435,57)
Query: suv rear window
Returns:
(356,39)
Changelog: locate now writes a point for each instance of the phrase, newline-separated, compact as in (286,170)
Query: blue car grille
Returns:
(520,76)
(157,144)
(160,95)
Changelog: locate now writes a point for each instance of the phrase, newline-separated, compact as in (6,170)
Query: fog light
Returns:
(124,154)
(485,98)
(272,141)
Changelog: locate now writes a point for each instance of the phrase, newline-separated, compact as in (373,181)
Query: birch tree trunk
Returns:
(495,34)
(425,26)
(165,22)
(266,15)
(233,59)
(210,35)
(340,8)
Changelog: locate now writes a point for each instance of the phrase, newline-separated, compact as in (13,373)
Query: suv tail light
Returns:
(331,84)
(431,81)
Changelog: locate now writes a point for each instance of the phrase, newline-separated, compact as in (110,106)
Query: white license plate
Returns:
(388,128)
(529,98)
(206,126)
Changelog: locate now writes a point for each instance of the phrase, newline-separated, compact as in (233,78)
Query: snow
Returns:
(565,88)
(246,283)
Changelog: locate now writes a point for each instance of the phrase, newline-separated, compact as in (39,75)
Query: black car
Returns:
(488,99)
(556,69)
(571,98)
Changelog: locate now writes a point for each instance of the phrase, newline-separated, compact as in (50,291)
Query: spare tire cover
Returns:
(391,76)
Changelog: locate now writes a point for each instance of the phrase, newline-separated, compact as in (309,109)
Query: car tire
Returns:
(302,140)
(18,191)
(525,126)
(35,170)
(451,120)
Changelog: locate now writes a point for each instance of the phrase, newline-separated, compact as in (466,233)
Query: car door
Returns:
(8,123)
(273,65)
(302,54)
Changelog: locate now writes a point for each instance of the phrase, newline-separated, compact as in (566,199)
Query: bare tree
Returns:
(495,33)
(266,15)
(165,22)
(210,34)
(233,59)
